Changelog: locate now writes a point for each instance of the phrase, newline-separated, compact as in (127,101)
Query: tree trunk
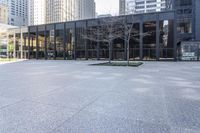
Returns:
(128,63)
(110,52)
(128,50)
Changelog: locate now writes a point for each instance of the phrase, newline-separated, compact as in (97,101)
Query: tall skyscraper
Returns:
(37,12)
(141,6)
(122,7)
(85,9)
(60,10)
(3,14)
(17,12)
(66,10)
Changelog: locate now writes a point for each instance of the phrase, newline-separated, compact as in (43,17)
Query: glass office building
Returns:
(157,36)
(154,39)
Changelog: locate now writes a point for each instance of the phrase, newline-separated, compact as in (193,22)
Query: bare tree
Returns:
(130,32)
(113,28)
(108,30)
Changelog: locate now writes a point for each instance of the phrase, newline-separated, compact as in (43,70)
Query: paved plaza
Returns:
(73,97)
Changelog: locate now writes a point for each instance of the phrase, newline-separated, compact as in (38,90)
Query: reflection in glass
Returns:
(118,49)
(60,44)
(32,45)
(183,2)
(135,43)
(11,47)
(25,45)
(70,43)
(80,40)
(92,45)
(41,45)
(149,40)
(184,26)
(166,39)
(50,44)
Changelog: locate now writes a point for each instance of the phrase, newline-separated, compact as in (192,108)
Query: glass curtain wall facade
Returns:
(166,39)
(185,22)
(70,41)
(60,41)
(152,38)
(93,46)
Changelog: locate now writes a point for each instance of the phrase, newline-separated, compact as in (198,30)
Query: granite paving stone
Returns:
(39,96)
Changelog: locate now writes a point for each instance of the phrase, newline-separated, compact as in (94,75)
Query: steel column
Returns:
(141,40)
(157,38)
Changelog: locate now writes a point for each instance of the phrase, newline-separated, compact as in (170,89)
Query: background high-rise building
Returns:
(85,9)
(3,14)
(60,10)
(17,12)
(37,12)
(66,10)
(141,6)
(122,7)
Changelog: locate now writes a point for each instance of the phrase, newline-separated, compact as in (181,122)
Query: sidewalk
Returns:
(8,62)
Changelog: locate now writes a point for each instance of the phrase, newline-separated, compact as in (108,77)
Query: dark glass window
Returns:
(183,2)
(41,45)
(184,26)
(50,33)
(149,40)
(135,42)
(60,46)
(166,39)
(80,40)
(70,36)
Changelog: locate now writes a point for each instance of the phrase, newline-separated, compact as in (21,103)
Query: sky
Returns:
(107,7)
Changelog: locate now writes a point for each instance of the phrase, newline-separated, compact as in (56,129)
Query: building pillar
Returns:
(21,42)
(86,44)
(126,48)
(29,43)
(55,42)
(98,45)
(45,43)
(157,37)
(175,36)
(198,55)
(24,50)
(37,44)
(65,42)
(141,40)
(7,51)
(14,51)
(74,41)
(32,44)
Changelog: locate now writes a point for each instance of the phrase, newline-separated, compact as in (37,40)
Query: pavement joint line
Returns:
(51,91)
(6,106)
(167,92)
(78,112)
(53,105)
